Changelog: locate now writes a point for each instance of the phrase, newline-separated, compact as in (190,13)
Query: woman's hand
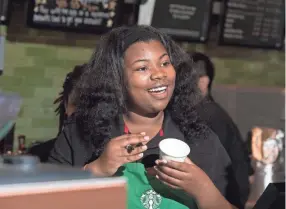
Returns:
(116,154)
(182,175)
(193,180)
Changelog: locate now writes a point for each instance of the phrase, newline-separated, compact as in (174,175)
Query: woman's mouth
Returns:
(159,92)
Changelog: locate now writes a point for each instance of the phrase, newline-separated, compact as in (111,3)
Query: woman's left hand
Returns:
(183,175)
(191,179)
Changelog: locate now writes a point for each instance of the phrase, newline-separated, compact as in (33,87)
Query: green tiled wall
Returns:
(36,72)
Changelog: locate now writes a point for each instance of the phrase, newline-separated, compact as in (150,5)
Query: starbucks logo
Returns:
(151,199)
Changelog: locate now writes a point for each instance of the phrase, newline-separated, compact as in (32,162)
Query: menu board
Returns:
(182,19)
(5,11)
(80,15)
(254,23)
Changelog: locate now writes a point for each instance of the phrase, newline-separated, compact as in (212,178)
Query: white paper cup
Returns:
(174,149)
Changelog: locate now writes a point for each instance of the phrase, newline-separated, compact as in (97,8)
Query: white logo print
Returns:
(151,199)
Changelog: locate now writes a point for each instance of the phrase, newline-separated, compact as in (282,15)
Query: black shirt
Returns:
(42,150)
(226,130)
(207,153)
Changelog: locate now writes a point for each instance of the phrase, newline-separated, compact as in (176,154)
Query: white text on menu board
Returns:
(69,16)
(182,12)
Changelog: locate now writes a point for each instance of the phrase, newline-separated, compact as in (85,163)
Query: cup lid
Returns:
(174,147)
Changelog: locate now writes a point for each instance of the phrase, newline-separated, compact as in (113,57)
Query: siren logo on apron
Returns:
(151,199)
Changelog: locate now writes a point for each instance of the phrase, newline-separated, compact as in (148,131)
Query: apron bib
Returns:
(147,192)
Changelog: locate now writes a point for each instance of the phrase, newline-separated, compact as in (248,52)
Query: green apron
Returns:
(146,192)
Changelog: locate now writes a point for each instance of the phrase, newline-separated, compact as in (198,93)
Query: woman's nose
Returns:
(158,74)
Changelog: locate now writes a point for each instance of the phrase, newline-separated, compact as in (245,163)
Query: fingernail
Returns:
(143,133)
(144,147)
(140,155)
(157,162)
(146,137)
(164,161)
(157,177)
(156,168)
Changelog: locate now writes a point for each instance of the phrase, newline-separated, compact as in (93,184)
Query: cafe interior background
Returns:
(39,47)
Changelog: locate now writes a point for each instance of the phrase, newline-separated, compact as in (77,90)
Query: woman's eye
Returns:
(142,69)
(165,64)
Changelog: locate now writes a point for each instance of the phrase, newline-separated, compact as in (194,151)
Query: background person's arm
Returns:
(238,173)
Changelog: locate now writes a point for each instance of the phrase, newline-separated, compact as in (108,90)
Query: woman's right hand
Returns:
(115,154)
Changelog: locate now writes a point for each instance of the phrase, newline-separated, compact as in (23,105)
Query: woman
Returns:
(134,92)
(65,105)
(65,108)
(205,71)
(224,127)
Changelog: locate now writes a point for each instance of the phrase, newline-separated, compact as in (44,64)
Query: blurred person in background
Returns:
(65,108)
(224,127)
(65,102)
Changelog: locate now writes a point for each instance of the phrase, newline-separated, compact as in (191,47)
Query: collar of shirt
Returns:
(169,129)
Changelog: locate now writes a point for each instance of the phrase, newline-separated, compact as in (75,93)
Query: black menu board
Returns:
(183,19)
(80,15)
(5,11)
(253,23)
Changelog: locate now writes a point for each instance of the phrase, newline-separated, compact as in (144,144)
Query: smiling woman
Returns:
(150,81)
(135,92)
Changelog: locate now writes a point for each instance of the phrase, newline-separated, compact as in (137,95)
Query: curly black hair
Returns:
(68,86)
(101,95)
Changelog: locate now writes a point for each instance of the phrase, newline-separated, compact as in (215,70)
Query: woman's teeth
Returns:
(158,89)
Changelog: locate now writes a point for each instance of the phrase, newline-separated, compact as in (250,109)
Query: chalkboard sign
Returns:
(255,23)
(183,19)
(80,15)
(5,11)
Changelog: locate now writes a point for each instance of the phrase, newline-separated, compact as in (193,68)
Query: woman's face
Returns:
(70,107)
(149,76)
(204,84)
